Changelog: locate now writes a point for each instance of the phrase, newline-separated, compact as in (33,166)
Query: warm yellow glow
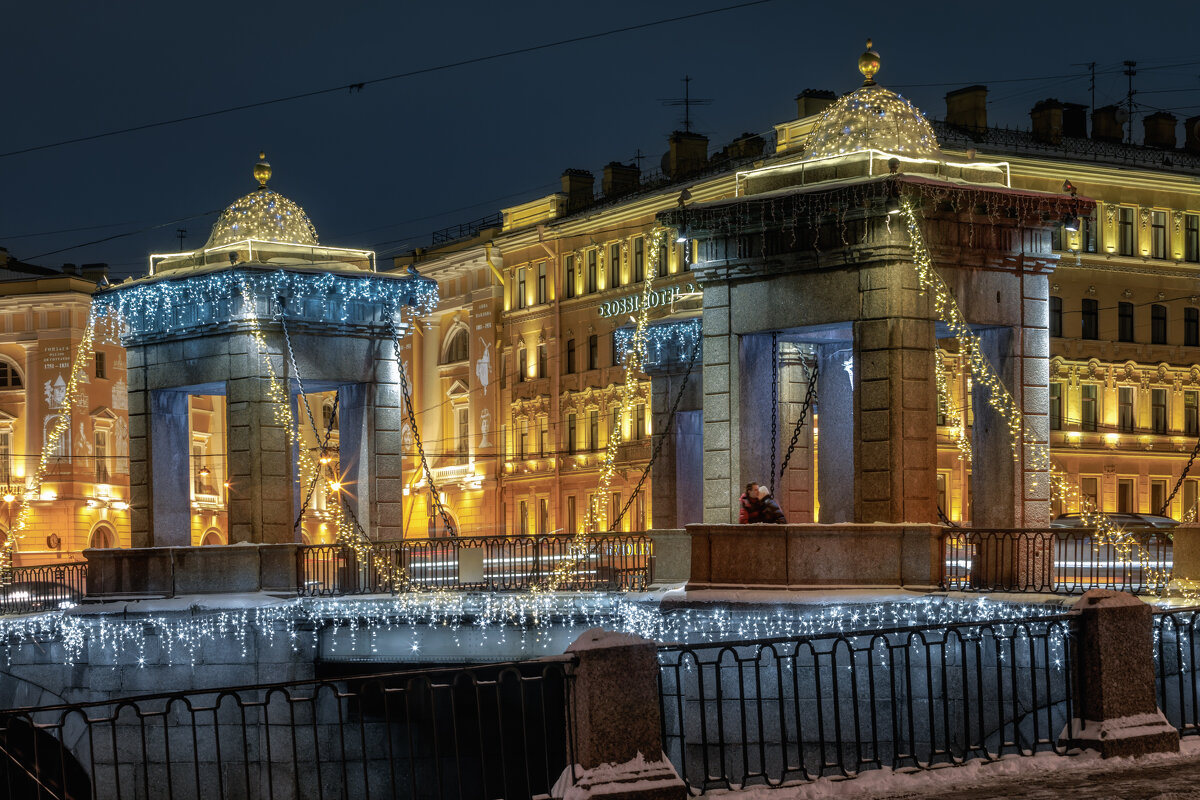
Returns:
(8,498)
(1073,435)
(1112,439)
(335,486)
(49,494)
(120,505)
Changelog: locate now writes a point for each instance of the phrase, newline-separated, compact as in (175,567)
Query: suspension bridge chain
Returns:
(808,398)
(312,485)
(1162,512)
(662,437)
(774,403)
(434,495)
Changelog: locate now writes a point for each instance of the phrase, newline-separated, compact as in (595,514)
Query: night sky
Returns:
(383,167)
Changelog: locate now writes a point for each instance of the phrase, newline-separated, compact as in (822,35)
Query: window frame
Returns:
(1126,231)
(1089,319)
(1125,321)
(1056,316)
(569,271)
(1158,324)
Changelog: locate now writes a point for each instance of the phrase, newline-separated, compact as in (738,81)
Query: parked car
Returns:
(1120,520)
(37,596)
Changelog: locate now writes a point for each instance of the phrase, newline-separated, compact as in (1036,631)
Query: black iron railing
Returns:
(1176,671)
(495,731)
(775,711)
(1052,560)
(617,562)
(44,587)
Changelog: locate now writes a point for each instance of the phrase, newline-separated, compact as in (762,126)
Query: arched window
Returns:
(10,378)
(102,538)
(328,417)
(212,536)
(457,347)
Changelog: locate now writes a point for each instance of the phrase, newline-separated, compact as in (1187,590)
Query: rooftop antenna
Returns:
(1130,72)
(182,234)
(637,159)
(687,101)
(1091,66)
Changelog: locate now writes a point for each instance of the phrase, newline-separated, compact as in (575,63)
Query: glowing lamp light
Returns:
(335,486)
(49,494)
(93,503)
(120,505)
(8,498)
(1112,439)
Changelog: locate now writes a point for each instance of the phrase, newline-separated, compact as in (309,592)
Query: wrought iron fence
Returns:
(1052,560)
(1175,667)
(783,710)
(618,562)
(497,731)
(43,587)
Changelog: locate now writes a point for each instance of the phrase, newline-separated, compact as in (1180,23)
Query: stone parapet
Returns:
(672,558)
(802,556)
(172,571)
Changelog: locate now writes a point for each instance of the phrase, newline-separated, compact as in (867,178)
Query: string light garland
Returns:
(664,342)
(958,430)
(50,448)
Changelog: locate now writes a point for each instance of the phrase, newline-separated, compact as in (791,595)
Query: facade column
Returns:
(139,451)
(756,409)
(387,415)
(170,448)
(720,391)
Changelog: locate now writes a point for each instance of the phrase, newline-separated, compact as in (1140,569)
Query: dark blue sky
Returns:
(383,167)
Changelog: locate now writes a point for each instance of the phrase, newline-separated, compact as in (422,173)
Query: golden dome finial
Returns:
(868,65)
(262,171)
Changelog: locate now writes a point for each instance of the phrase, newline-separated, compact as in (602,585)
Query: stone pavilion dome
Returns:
(872,118)
(263,215)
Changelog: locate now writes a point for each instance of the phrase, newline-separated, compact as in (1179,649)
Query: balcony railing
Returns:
(614,562)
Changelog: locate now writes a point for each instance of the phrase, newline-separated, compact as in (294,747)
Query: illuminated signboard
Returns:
(632,303)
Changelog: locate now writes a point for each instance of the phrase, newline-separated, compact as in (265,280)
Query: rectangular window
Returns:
(1158,495)
(543,522)
(570,356)
(1055,316)
(1125,235)
(639,506)
(1124,322)
(464,431)
(639,421)
(614,515)
(1158,234)
(594,429)
(541,284)
(1125,409)
(1191,237)
(523,439)
(1091,319)
(614,424)
(520,290)
(523,521)
(1125,496)
(591,271)
(941,491)
(570,279)
(1158,324)
(197,466)
(1090,489)
(5,458)
(1088,234)
(572,441)
(543,361)
(639,260)
(571,523)
(594,351)
(614,266)
(1055,406)
(1191,413)
(664,259)
(521,373)
(543,437)
(1191,327)
(100,366)
(1058,238)
(1158,410)
(1191,495)
(1087,406)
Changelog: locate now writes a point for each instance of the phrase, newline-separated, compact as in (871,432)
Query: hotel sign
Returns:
(632,303)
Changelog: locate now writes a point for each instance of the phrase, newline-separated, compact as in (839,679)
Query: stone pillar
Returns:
(1185,554)
(352,458)
(1115,707)
(720,386)
(139,450)
(755,406)
(895,405)
(170,448)
(260,463)
(676,477)
(835,448)
(618,721)
(387,417)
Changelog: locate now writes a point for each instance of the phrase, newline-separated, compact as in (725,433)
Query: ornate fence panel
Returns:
(496,731)
(1176,669)
(493,563)
(775,711)
(44,587)
(1051,560)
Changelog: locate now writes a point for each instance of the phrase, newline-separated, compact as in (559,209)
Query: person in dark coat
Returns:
(769,509)
(749,506)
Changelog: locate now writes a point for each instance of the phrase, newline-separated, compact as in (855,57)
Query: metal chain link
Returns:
(662,437)
(434,495)
(1162,512)
(808,398)
(774,403)
(945,520)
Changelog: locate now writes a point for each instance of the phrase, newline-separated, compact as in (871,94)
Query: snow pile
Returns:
(615,780)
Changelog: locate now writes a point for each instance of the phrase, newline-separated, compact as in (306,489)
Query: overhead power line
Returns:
(357,86)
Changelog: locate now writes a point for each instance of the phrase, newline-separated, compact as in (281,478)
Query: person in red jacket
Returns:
(749,506)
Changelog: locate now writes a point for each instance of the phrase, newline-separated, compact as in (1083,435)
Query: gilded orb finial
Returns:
(262,171)
(868,65)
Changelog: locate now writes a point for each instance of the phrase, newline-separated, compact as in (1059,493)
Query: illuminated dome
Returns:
(872,118)
(264,215)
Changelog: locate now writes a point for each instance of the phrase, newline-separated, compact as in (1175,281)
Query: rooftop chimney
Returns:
(619,179)
(748,145)
(1160,130)
(70,269)
(1074,120)
(577,186)
(1105,127)
(967,108)
(1191,135)
(813,101)
(1047,118)
(687,156)
(95,273)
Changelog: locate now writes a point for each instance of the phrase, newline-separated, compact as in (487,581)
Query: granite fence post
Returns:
(1115,708)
